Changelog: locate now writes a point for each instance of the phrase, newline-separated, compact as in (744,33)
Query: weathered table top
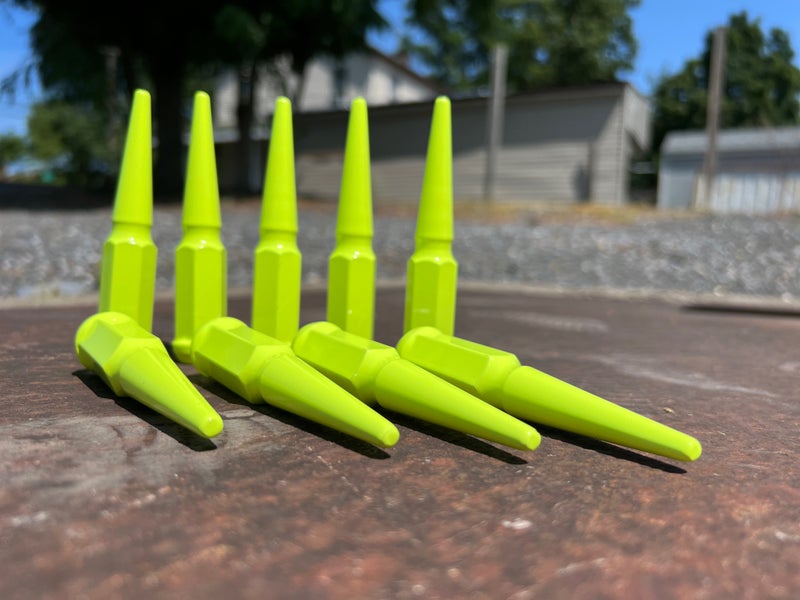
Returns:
(102,498)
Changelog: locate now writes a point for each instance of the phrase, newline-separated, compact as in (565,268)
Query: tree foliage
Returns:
(73,137)
(95,53)
(255,33)
(12,147)
(761,83)
(551,42)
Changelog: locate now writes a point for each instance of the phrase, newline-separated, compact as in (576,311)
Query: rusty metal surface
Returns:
(102,498)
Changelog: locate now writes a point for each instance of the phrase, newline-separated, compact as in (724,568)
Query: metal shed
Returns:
(758,171)
(561,145)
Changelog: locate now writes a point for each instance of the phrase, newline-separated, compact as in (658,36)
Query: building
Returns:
(327,84)
(564,145)
(758,171)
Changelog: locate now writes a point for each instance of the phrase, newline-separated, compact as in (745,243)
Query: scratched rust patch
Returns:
(102,498)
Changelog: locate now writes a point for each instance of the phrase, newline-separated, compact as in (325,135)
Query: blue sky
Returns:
(668,31)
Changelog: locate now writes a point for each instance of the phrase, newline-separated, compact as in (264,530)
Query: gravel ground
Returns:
(47,253)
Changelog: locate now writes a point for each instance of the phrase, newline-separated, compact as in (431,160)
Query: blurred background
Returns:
(598,144)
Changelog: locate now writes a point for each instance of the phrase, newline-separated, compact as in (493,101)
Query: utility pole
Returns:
(715,84)
(111,56)
(494,131)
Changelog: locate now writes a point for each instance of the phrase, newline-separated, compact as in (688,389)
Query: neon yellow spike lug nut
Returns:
(278,263)
(375,373)
(128,277)
(260,368)
(498,378)
(200,262)
(351,268)
(432,270)
(134,363)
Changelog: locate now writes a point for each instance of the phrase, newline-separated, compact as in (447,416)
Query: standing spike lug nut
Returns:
(200,261)
(278,262)
(351,268)
(432,270)
(128,277)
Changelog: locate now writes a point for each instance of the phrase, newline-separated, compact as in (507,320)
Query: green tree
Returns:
(95,53)
(12,147)
(551,42)
(254,34)
(761,83)
(75,138)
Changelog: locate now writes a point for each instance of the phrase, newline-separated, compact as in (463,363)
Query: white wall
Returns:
(365,74)
(561,147)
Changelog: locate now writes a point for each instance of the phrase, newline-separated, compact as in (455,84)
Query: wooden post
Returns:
(715,83)
(494,131)
(111,55)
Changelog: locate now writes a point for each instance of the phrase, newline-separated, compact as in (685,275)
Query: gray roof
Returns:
(767,139)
